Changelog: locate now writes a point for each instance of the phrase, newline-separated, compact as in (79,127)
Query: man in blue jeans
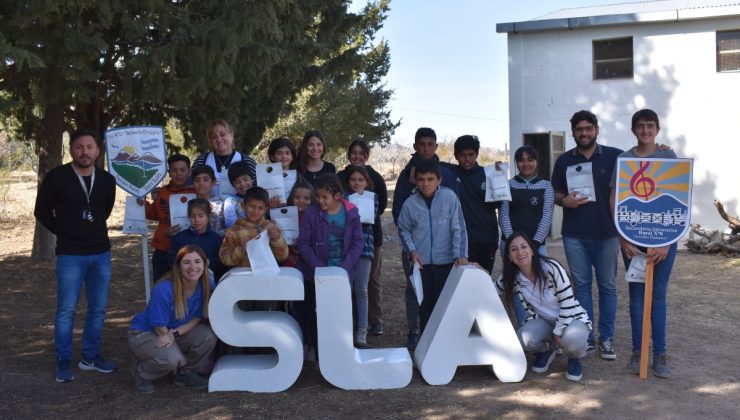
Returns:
(589,236)
(645,127)
(74,202)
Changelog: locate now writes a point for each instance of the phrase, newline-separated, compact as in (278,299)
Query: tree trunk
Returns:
(49,144)
(733,222)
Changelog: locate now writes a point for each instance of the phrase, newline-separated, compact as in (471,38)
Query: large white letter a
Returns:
(469,326)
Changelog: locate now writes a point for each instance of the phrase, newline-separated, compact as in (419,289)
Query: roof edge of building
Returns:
(617,19)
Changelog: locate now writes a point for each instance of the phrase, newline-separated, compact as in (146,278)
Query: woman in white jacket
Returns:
(554,316)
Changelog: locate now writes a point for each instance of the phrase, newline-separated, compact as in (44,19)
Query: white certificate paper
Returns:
(179,210)
(416,282)
(261,258)
(270,177)
(287,220)
(638,267)
(365,203)
(497,183)
(134,219)
(580,180)
(289,178)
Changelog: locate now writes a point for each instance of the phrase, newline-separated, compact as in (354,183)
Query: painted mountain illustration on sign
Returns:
(134,168)
(147,161)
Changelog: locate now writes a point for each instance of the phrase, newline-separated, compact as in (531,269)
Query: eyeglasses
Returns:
(587,129)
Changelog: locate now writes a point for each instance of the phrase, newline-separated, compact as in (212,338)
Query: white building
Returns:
(680,58)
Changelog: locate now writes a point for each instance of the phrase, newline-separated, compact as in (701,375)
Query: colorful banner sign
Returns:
(653,200)
(137,157)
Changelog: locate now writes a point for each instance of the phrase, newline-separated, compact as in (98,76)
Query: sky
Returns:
(449,66)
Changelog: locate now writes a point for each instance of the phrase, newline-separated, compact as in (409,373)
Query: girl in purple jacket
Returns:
(330,235)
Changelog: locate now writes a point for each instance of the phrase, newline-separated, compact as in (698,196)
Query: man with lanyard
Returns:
(74,202)
(589,236)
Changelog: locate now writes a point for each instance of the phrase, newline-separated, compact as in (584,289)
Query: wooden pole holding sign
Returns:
(646,319)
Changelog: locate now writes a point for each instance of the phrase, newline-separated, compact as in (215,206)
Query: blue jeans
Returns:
(601,254)
(535,335)
(359,287)
(412,304)
(661,275)
(72,271)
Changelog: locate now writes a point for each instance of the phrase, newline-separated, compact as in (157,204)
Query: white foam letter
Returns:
(256,373)
(469,326)
(340,362)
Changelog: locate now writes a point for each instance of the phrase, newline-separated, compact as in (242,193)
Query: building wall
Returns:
(550,77)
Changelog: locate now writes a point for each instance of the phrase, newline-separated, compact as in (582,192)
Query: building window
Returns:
(728,51)
(613,58)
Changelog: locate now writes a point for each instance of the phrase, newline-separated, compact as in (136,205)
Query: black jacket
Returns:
(60,205)
(480,217)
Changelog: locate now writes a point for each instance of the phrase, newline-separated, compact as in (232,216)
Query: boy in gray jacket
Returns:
(431,228)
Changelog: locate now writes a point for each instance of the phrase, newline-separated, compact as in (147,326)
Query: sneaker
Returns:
(606,348)
(361,337)
(574,372)
(190,379)
(141,385)
(634,364)
(590,348)
(660,366)
(97,363)
(542,361)
(411,341)
(376,329)
(64,371)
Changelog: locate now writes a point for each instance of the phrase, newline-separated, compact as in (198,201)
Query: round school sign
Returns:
(653,200)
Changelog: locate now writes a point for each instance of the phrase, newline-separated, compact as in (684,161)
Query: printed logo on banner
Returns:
(137,157)
(653,200)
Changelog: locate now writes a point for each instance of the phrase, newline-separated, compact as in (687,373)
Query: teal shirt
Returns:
(337,223)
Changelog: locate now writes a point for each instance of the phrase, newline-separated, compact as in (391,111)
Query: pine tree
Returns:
(347,105)
(98,64)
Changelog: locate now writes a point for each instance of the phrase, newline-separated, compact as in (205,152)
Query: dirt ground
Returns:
(702,339)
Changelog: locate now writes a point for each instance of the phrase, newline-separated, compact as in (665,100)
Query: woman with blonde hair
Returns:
(221,155)
(168,336)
